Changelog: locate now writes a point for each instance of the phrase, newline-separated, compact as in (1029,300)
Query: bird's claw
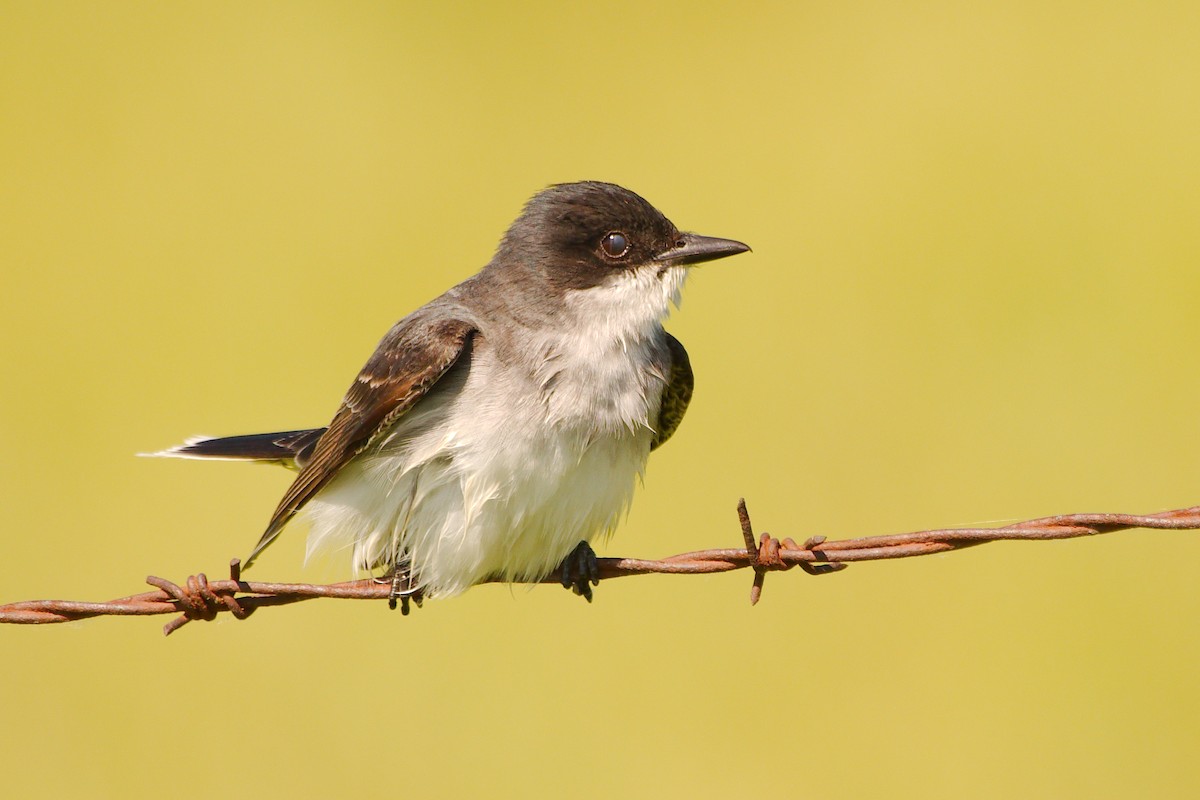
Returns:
(580,571)
(404,591)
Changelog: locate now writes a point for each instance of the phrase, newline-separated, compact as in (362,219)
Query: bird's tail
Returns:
(289,448)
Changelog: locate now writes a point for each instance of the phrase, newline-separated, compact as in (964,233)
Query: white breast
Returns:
(503,469)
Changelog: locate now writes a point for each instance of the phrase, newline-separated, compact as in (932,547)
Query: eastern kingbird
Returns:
(499,428)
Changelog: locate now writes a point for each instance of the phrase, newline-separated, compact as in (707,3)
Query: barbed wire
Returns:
(201,599)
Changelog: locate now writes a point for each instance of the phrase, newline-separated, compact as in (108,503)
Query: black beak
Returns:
(692,248)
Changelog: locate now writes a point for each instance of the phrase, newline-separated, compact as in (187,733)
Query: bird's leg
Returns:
(580,571)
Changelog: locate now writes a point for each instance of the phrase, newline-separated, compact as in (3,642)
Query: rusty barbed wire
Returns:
(201,599)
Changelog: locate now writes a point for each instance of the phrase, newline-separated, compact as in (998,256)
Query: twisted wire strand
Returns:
(202,599)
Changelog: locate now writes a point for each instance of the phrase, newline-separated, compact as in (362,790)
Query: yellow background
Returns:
(973,298)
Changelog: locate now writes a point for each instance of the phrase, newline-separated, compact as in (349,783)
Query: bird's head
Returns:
(602,245)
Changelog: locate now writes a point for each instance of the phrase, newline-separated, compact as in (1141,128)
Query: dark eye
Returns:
(614,244)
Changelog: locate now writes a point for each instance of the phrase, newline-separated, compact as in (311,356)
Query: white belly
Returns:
(491,475)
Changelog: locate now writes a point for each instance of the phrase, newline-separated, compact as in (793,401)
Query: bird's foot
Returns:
(580,571)
(403,590)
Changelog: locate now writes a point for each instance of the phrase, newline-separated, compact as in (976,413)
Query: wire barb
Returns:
(200,598)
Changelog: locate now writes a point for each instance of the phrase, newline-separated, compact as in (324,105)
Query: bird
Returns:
(500,428)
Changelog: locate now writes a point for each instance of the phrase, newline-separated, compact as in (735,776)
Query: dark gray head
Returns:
(588,234)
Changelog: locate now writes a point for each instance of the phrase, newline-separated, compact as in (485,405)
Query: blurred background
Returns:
(972,299)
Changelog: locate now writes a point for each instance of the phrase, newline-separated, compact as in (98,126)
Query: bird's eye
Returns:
(614,244)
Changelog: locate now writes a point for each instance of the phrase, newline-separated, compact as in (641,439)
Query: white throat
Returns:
(631,307)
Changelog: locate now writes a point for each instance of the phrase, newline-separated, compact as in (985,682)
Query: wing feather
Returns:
(413,356)
(676,394)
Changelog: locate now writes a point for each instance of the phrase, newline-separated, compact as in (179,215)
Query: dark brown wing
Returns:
(409,360)
(676,394)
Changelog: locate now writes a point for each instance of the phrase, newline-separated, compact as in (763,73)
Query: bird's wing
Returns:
(676,394)
(407,363)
